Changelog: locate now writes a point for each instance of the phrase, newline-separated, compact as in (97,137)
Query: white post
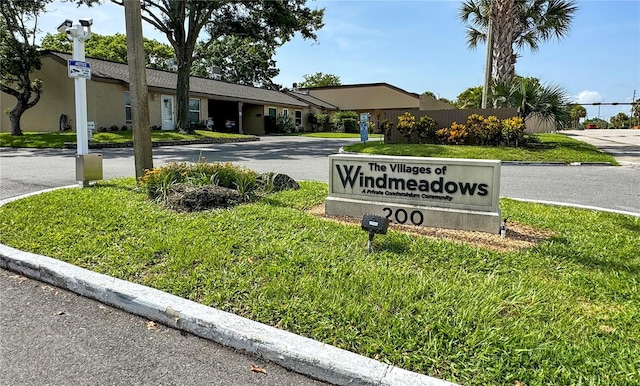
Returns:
(81,92)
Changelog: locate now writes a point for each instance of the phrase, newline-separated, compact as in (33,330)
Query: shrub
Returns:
(406,125)
(338,118)
(158,181)
(284,124)
(492,131)
(426,128)
(513,131)
(386,127)
(350,125)
(475,127)
(318,120)
(456,134)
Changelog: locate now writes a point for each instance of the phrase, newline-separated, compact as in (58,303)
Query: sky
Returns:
(420,45)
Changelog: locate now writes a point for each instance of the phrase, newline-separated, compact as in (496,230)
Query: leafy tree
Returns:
(113,48)
(19,55)
(516,24)
(319,79)
(601,123)
(577,112)
(434,96)
(620,120)
(185,22)
(470,98)
(241,60)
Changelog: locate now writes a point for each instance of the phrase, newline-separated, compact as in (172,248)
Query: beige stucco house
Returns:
(232,107)
(373,98)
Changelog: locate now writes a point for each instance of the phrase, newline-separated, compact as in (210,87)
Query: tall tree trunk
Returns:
(14,117)
(183,123)
(503,17)
(139,91)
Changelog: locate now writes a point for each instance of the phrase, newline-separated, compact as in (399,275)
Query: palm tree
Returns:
(547,102)
(516,24)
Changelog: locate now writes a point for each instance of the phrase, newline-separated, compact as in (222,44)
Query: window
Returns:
(127,107)
(194,110)
(273,112)
(298,118)
(285,112)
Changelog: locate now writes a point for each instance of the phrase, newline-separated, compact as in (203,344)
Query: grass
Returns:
(551,148)
(563,312)
(57,140)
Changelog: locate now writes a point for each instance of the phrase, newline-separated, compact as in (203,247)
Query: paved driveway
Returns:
(623,145)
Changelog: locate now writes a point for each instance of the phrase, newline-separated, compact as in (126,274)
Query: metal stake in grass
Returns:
(374,224)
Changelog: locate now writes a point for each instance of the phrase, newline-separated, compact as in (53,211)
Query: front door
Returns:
(167,112)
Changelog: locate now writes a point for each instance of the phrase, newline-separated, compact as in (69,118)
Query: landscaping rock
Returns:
(189,198)
(280,181)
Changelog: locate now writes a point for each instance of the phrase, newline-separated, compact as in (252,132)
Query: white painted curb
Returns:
(300,354)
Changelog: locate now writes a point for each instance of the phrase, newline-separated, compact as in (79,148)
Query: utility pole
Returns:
(138,89)
(488,61)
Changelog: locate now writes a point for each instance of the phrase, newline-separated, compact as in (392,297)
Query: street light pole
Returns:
(88,166)
(79,34)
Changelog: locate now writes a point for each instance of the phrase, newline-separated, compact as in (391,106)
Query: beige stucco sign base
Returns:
(420,191)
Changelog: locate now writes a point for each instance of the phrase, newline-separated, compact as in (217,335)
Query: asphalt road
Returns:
(50,336)
(615,188)
(54,337)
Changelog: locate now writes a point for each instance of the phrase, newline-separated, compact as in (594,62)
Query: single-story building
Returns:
(232,107)
(374,98)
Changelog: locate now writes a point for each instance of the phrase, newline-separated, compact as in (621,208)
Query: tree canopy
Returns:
(113,47)
(240,59)
(470,98)
(19,55)
(319,79)
(184,23)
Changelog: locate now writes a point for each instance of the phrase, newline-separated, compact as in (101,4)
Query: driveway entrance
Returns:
(623,145)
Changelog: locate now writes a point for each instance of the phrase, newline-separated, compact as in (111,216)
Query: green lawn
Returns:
(563,312)
(551,148)
(57,140)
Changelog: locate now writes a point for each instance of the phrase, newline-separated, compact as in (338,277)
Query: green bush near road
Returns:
(563,312)
(546,148)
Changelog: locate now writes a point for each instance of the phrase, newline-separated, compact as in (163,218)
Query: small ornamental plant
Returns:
(513,131)
(426,128)
(475,127)
(454,135)
(492,131)
(406,125)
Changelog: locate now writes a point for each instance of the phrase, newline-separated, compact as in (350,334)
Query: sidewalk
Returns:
(623,145)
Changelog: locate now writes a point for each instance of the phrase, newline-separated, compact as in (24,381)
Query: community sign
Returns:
(421,191)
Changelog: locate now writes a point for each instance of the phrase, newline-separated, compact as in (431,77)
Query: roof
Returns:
(215,89)
(312,100)
(362,85)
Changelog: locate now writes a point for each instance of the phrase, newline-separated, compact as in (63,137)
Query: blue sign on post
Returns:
(79,69)
(364,127)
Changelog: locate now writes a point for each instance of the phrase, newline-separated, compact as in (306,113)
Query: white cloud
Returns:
(588,96)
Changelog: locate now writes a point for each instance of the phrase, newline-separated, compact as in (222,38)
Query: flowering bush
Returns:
(406,125)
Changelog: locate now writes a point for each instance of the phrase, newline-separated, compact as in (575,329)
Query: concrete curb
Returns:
(300,354)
